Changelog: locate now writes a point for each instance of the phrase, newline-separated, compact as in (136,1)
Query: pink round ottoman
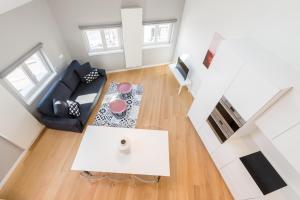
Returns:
(125,89)
(118,107)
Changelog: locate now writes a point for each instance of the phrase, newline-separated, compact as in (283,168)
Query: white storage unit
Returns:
(223,69)
(283,115)
(253,90)
(132,27)
(240,181)
(249,92)
(208,137)
(281,125)
(288,145)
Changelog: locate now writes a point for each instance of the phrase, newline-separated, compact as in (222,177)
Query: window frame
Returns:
(38,84)
(156,43)
(105,49)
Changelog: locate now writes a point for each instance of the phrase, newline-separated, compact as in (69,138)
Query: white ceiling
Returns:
(7,5)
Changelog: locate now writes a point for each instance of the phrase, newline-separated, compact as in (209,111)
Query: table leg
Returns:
(179,90)
(94,177)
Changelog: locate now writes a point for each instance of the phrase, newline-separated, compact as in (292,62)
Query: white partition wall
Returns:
(18,130)
(132,36)
(17,125)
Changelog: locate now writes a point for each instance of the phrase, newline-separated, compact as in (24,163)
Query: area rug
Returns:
(105,118)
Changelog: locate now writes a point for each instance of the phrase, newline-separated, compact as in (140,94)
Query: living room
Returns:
(172,99)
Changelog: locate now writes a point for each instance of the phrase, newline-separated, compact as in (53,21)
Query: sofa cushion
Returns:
(60,108)
(71,80)
(86,95)
(101,72)
(59,91)
(83,70)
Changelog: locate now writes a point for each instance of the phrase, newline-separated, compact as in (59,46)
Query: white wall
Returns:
(7,5)
(70,14)
(26,26)
(273,24)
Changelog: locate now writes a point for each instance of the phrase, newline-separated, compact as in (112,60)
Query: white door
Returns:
(132,26)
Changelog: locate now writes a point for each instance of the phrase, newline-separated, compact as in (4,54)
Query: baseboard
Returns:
(135,68)
(192,92)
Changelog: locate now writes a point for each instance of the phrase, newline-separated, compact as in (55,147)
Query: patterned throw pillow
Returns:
(73,108)
(90,77)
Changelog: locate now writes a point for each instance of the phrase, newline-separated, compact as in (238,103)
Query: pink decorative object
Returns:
(125,88)
(118,107)
(215,43)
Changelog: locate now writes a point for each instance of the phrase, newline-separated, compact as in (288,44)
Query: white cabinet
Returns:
(285,193)
(249,92)
(288,144)
(239,181)
(233,149)
(281,124)
(222,71)
(223,155)
(284,114)
(208,138)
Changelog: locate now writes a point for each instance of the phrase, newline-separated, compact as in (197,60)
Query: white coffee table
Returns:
(99,152)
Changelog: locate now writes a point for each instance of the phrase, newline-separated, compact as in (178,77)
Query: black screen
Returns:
(263,173)
(182,68)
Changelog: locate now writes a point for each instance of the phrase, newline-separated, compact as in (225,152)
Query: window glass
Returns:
(37,66)
(163,33)
(20,81)
(112,38)
(157,34)
(149,33)
(30,76)
(94,39)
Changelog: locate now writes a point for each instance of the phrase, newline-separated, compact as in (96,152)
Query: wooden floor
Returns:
(45,172)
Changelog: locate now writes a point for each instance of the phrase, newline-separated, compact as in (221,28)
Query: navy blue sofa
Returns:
(70,87)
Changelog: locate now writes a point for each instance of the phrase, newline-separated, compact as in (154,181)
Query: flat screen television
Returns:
(182,68)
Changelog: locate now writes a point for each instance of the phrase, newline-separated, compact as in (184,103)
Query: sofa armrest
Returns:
(102,72)
(67,124)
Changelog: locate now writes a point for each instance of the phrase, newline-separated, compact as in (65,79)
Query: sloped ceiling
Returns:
(7,5)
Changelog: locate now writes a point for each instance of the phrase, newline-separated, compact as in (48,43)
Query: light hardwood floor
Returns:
(45,172)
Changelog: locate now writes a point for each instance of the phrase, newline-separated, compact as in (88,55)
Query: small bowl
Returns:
(118,107)
(124,88)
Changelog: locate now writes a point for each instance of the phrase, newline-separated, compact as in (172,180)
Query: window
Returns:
(106,40)
(157,34)
(27,78)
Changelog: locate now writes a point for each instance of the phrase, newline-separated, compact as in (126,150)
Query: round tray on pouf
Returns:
(118,107)
(125,89)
